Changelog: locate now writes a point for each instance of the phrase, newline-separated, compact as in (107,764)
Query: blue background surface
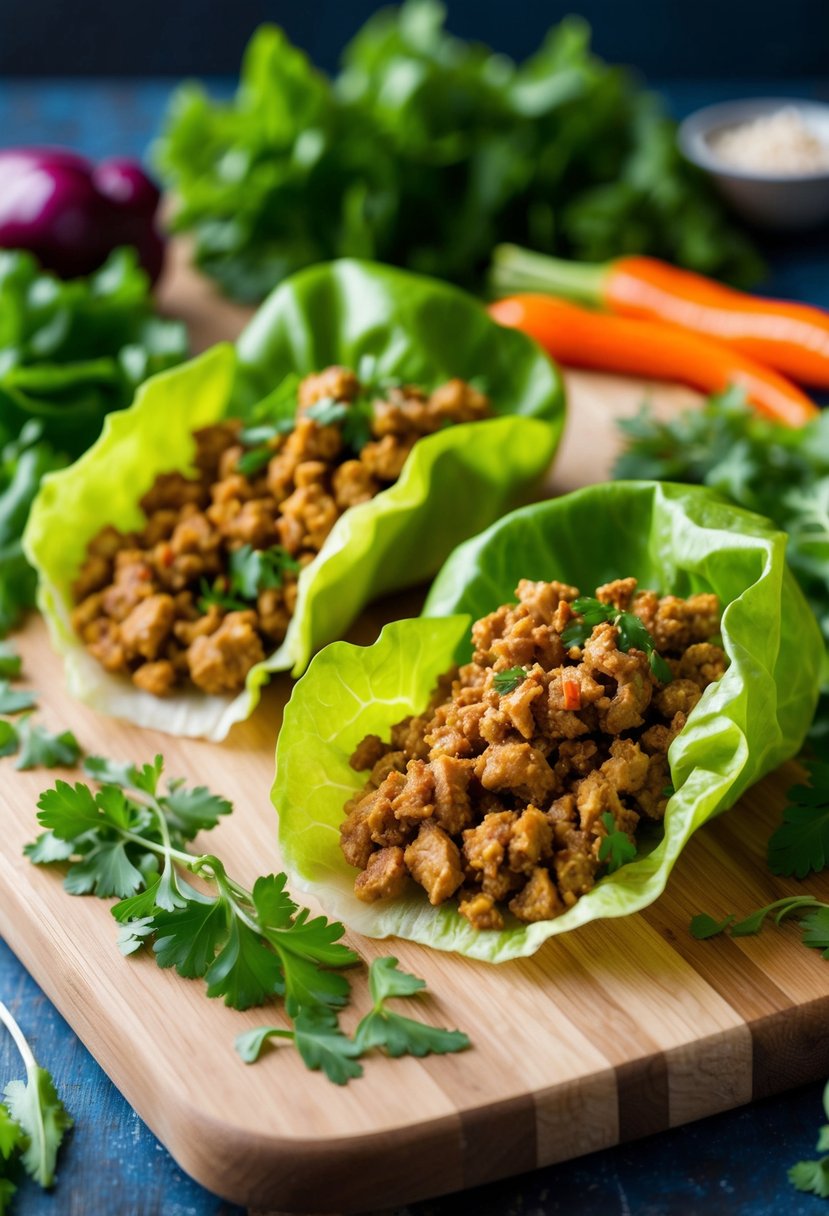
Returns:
(734,1164)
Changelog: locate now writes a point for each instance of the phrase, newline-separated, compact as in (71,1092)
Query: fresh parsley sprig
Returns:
(33,744)
(632,632)
(33,1120)
(322,1044)
(129,838)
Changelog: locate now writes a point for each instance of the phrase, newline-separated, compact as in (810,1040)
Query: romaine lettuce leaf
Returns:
(454,482)
(672,538)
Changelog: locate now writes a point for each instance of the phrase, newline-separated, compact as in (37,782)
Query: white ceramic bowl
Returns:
(770,200)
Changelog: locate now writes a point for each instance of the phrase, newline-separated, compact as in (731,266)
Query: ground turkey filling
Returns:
(208,587)
(498,795)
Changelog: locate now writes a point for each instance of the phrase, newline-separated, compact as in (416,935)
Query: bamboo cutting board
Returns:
(618,1030)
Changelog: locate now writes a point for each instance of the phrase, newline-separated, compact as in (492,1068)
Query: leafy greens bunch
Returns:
(70,352)
(426,151)
(33,744)
(33,1121)
(778,471)
(129,839)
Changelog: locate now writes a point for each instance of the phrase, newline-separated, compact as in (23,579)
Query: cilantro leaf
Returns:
(105,870)
(14,700)
(40,749)
(139,906)
(396,1034)
(190,811)
(385,980)
(815,930)
(48,848)
(250,462)
(811,1176)
(250,1043)
(9,741)
(327,412)
(505,682)
(254,570)
(69,811)
(11,1133)
(245,972)
(616,848)
(218,594)
(704,926)
(323,1045)
(36,1107)
(633,633)
(10,662)
(128,776)
(189,938)
(801,844)
(133,934)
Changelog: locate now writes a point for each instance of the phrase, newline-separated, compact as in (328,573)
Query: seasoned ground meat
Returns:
(502,792)
(209,585)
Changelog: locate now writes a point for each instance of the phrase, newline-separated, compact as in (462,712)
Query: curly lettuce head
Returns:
(454,482)
(674,539)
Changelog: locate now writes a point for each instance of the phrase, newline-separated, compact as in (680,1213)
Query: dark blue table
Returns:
(730,1165)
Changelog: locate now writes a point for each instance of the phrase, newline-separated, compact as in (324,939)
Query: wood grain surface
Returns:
(618,1030)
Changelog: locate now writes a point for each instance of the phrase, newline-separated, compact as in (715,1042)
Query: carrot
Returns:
(578,337)
(792,338)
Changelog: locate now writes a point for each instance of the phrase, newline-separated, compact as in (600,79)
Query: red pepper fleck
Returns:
(572,694)
(167,556)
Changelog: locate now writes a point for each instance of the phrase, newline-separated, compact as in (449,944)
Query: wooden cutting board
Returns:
(618,1030)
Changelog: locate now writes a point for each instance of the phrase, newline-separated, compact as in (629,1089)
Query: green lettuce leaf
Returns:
(454,483)
(673,538)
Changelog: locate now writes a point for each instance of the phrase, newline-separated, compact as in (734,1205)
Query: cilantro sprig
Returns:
(33,1120)
(633,634)
(249,572)
(322,1044)
(813,914)
(616,848)
(131,838)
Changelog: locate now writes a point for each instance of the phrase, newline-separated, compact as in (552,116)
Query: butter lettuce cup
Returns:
(490,408)
(752,715)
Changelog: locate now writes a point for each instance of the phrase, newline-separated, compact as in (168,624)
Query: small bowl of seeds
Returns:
(769,157)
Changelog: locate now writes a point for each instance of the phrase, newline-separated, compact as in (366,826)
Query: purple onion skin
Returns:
(70,214)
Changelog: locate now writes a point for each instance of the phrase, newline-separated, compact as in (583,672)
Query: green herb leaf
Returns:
(9,741)
(323,1045)
(41,749)
(245,972)
(36,1107)
(249,1045)
(616,848)
(189,938)
(811,1176)
(704,926)
(815,929)
(14,700)
(190,811)
(396,1034)
(801,844)
(251,462)
(11,1133)
(505,682)
(254,570)
(10,661)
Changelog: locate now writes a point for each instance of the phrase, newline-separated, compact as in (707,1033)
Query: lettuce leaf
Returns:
(672,538)
(454,482)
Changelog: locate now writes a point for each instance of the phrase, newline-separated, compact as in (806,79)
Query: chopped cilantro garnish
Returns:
(633,634)
(616,848)
(505,682)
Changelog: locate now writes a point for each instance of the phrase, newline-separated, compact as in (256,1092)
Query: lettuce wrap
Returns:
(674,539)
(454,482)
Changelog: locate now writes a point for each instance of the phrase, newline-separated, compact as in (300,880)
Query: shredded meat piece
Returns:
(283,505)
(511,793)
